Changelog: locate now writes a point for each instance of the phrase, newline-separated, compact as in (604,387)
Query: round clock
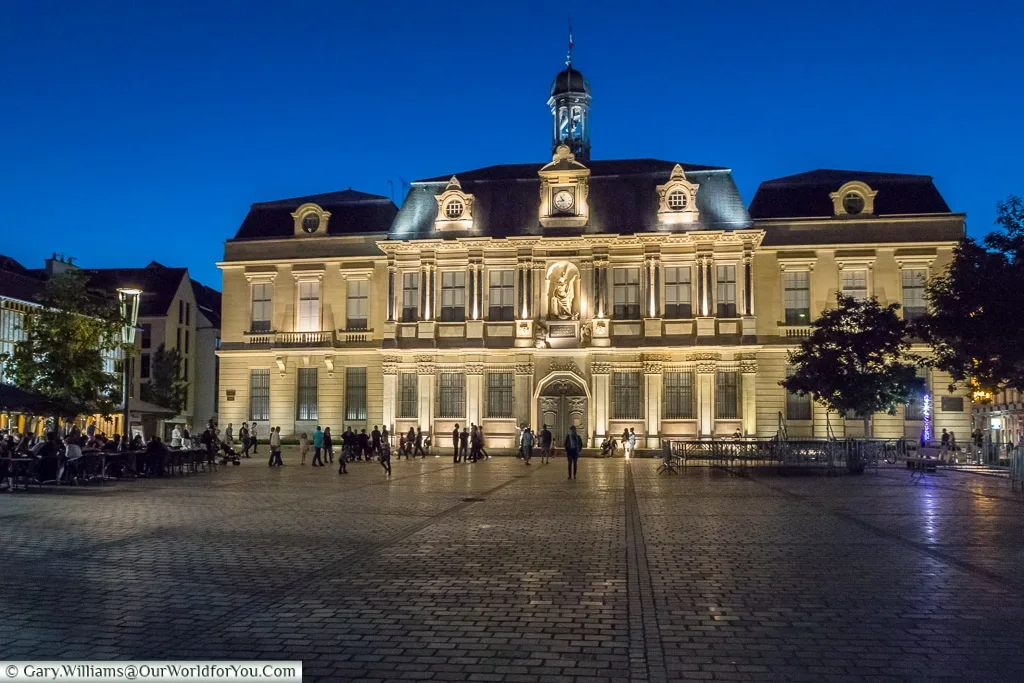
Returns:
(563,200)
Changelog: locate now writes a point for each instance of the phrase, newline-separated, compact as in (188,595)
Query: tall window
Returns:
(259,394)
(453,296)
(797,292)
(797,407)
(678,396)
(499,394)
(188,314)
(147,335)
(627,396)
(727,396)
(855,283)
(181,311)
(914,304)
(410,297)
(725,277)
(355,393)
(678,301)
(626,293)
(144,366)
(407,395)
(501,295)
(357,305)
(186,340)
(451,395)
(309,306)
(262,293)
(914,409)
(306,396)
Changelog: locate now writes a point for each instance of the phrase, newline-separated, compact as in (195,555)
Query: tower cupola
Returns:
(569,101)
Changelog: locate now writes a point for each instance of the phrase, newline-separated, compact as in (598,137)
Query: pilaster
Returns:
(748,393)
(523,387)
(599,377)
(705,398)
(474,392)
(653,379)
(427,379)
(390,372)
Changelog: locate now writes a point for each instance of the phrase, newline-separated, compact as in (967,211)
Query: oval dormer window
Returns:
(677,200)
(853,203)
(310,222)
(454,209)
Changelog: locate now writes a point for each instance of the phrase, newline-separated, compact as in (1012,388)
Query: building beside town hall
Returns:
(606,294)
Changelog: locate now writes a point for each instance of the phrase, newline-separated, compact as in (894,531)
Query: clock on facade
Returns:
(563,200)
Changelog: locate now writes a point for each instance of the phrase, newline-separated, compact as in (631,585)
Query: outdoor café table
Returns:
(20,466)
(920,466)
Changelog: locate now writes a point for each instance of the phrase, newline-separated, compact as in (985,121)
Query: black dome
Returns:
(569,80)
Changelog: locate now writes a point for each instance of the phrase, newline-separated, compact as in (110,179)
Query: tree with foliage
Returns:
(856,359)
(166,387)
(61,356)
(975,307)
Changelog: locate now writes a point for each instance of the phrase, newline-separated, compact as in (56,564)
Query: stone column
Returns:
(390,371)
(748,393)
(474,392)
(587,308)
(423,293)
(599,375)
(471,307)
(653,392)
(391,290)
(705,399)
(427,380)
(523,398)
(536,308)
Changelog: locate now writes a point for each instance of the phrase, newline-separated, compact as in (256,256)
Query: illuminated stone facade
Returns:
(610,294)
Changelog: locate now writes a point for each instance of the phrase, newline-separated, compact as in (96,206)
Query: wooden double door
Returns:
(563,404)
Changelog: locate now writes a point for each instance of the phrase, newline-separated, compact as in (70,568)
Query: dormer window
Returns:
(677,199)
(310,219)
(454,208)
(854,199)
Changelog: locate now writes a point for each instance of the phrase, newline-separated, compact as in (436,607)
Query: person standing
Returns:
(176,437)
(375,440)
(275,448)
(632,444)
(410,438)
(342,466)
(464,445)
(483,442)
(546,440)
(455,444)
(252,436)
(527,443)
(573,447)
(385,438)
(243,436)
(329,446)
(363,443)
(318,445)
(229,434)
(303,447)
(385,457)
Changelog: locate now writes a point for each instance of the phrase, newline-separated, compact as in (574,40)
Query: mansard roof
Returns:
(622,198)
(352,212)
(806,195)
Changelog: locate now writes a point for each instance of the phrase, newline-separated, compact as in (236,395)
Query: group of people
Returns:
(545,440)
(468,444)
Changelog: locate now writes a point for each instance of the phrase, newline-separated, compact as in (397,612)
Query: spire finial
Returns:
(568,56)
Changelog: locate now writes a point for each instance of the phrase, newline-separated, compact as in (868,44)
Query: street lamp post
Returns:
(128,298)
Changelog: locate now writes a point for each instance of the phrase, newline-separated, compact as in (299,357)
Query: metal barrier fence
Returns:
(1017,469)
(832,455)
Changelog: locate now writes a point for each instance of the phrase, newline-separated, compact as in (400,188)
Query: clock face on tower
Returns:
(563,200)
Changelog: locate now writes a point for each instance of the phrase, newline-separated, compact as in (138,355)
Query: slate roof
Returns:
(208,300)
(806,195)
(159,284)
(622,199)
(17,282)
(352,213)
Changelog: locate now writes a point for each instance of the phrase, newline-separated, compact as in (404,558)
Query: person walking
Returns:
(303,447)
(342,466)
(252,436)
(527,444)
(229,434)
(243,436)
(329,446)
(483,443)
(410,438)
(573,447)
(546,440)
(419,444)
(455,444)
(318,445)
(385,457)
(385,438)
(275,448)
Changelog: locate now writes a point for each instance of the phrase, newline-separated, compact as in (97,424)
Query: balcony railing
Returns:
(278,340)
(355,336)
(795,331)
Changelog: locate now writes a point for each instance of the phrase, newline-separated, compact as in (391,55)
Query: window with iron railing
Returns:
(499,394)
(306,395)
(259,394)
(727,395)
(355,393)
(408,406)
(627,396)
(679,397)
(451,395)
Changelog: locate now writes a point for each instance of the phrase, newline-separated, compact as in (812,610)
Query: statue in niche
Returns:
(562,280)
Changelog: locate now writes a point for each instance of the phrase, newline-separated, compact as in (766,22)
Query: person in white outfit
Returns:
(176,437)
(632,444)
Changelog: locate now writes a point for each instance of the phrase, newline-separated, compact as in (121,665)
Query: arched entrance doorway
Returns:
(562,404)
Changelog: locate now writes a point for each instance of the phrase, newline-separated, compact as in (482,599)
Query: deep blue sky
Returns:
(143,130)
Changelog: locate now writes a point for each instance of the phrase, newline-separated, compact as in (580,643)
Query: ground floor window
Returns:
(407,395)
(679,396)
(355,393)
(627,396)
(451,395)
(306,407)
(259,394)
(727,396)
(499,394)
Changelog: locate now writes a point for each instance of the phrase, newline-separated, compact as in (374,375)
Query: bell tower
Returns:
(570,112)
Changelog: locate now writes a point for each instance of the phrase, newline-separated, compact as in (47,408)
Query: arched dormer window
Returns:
(310,219)
(854,199)
(677,199)
(454,208)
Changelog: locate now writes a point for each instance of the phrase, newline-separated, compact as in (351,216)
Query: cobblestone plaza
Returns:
(500,572)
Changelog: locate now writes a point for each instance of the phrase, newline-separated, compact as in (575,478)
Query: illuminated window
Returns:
(357,305)
(797,407)
(410,297)
(855,283)
(453,296)
(677,200)
(451,395)
(914,304)
(727,396)
(627,396)
(499,394)
(626,293)
(355,393)
(853,203)
(309,306)
(306,407)
(725,277)
(454,209)
(678,302)
(407,395)
(797,290)
(679,403)
(501,295)
(262,293)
